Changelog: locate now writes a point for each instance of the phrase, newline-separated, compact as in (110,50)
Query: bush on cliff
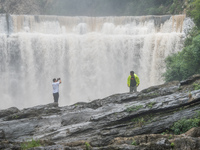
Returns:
(186,63)
(184,125)
(30,144)
(195,12)
(113,7)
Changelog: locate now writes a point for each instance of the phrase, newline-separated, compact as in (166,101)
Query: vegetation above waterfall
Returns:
(96,7)
(186,63)
(115,7)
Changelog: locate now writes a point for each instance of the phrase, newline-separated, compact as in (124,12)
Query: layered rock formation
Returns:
(129,121)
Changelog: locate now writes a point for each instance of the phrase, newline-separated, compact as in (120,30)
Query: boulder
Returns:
(194,132)
(9,111)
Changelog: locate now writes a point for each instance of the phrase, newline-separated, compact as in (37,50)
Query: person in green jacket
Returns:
(133,81)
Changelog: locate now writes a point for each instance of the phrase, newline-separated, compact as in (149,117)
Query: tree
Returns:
(185,63)
(106,7)
(195,14)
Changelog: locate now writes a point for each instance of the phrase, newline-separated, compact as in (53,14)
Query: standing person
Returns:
(133,81)
(55,86)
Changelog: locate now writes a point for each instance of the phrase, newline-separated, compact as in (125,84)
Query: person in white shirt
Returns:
(55,86)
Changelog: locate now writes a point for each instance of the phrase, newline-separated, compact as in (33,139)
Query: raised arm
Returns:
(59,80)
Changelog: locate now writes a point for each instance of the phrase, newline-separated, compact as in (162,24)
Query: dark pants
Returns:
(133,89)
(55,96)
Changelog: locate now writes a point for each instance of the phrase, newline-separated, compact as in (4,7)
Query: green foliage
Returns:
(170,136)
(154,94)
(87,146)
(193,33)
(134,108)
(197,114)
(139,121)
(172,8)
(184,125)
(196,86)
(181,108)
(172,145)
(15,117)
(134,143)
(166,132)
(108,8)
(173,67)
(150,105)
(30,144)
(185,63)
(195,12)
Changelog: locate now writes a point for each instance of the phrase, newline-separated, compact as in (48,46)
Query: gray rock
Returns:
(9,111)
(151,111)
(190,79)
(54,147)
(2,134)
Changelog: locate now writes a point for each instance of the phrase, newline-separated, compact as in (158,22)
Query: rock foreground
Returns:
(129,121)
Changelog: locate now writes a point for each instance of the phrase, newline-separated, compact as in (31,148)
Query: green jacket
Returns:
(136,79)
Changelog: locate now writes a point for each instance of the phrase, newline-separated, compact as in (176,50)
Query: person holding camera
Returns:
(55,86)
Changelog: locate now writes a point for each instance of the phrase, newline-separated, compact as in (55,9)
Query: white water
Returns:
(92,56)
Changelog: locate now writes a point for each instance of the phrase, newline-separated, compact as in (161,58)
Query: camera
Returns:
(58,79)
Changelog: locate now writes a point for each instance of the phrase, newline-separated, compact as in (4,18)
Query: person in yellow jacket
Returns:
(133,81)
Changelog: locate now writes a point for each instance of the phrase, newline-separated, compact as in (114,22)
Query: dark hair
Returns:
(132,72)
(54,80)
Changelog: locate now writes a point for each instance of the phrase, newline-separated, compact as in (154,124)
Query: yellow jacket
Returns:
(136,79)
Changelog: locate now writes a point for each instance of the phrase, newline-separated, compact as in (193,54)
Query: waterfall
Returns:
(92,55)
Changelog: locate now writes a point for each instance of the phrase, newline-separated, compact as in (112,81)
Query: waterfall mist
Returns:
(92,55)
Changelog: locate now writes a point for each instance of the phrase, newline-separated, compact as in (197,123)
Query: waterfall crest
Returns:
(92,55)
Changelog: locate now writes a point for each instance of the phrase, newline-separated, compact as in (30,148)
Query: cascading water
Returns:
(92,56)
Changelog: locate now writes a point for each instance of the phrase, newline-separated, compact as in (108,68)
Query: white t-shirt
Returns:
(55,87)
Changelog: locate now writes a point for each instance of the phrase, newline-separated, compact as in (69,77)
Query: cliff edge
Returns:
(129,121)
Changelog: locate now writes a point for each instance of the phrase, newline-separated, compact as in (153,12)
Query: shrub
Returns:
(150,105)
(134,108)
(30,144)
(87,146)
(195,12)
(172,8)
(170,136)
(184,125)
(134,143)
(138,121)
(172,145)
(196,86)
(184,64)
(141,122)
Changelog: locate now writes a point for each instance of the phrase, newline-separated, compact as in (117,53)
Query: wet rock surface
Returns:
(125,121)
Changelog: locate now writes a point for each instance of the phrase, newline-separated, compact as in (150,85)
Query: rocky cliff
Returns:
(129,121)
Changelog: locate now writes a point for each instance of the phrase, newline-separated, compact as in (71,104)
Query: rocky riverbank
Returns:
(129,121)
